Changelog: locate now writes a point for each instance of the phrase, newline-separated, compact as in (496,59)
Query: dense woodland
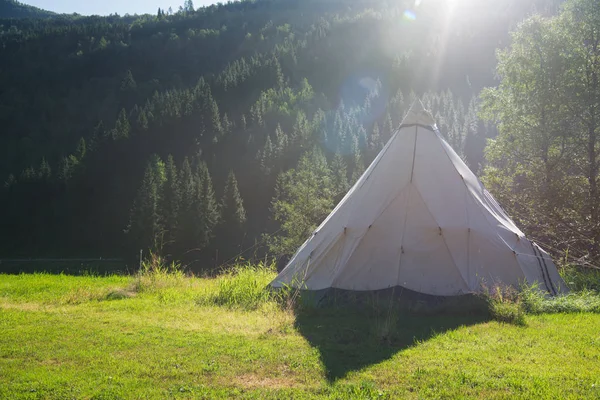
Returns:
(206,134)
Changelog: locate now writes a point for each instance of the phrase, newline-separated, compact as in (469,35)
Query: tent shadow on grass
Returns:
(350,339)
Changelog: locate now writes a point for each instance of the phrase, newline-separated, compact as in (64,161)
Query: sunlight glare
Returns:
(410,15)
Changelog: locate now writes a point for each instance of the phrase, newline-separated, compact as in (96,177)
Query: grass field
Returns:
(164,335)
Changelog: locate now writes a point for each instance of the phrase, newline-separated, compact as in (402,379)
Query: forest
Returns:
(208,134)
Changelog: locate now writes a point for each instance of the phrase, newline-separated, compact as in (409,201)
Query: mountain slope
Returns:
(94,108)
(15,9)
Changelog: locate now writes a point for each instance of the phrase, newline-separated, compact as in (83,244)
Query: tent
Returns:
(418,218)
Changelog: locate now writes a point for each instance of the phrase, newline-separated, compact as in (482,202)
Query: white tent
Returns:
(418,218)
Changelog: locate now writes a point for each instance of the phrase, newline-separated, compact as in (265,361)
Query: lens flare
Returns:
(410,15)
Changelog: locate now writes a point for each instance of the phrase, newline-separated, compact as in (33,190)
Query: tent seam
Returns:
(473,198)
(444,240)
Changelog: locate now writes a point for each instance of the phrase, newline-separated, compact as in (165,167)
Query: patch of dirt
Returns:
(119,294)
(251,381)
(21,306)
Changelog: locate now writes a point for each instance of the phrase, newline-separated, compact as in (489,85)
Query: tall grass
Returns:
(243,286)
(535,302)
(505,305)
(581,279)
(156,274)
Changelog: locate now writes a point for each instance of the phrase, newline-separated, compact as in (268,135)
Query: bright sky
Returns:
(105,7)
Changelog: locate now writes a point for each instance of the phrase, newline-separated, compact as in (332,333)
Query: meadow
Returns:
(163,334)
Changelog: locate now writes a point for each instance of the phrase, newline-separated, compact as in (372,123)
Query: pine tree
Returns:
(81,149)
(170,202)
(280,148)
(146,227)
(226,124)
(339,173)
(233,217)
(128,83)
(375,140)
(301,130)
(206,207)
(265,156)
(214,117)
(121,130)
(186,213)
(388,128)
(232,205)
(358,164)
(45,172)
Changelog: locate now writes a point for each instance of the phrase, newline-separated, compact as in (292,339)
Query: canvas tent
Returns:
(418,218)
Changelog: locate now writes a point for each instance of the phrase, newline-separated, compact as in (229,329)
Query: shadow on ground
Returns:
(352,338)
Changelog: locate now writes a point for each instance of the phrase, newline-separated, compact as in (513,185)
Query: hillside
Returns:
(16,9)
(170,131)
(174,337)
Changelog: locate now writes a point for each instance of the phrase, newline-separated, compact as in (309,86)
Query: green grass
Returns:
(163,335)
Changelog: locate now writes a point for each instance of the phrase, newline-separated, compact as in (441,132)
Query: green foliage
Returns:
(303,198)
(543,167)
(16,9)
(122,128)
(581,279)
(96,97)
(146,223)
(205,207)
(231,231)
(171,202)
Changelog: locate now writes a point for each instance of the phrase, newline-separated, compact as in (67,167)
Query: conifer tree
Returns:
(303,197)
(388,128)
(146,227)
(233,218)
(128,83)
(142,120)
(375,143)
(121,130)
(45,172)
(265,156)
(170,202)
(232,206)
(206,207)
(81,149)
(339,173)
(358,164)
(186,213)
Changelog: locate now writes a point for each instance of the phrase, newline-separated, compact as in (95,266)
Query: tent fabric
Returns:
(418,218)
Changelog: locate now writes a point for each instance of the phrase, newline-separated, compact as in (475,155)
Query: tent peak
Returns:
(417,114)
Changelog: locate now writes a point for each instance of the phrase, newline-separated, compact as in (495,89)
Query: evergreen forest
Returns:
(232,130)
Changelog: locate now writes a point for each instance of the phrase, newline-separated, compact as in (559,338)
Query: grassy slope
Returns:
(109,338)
